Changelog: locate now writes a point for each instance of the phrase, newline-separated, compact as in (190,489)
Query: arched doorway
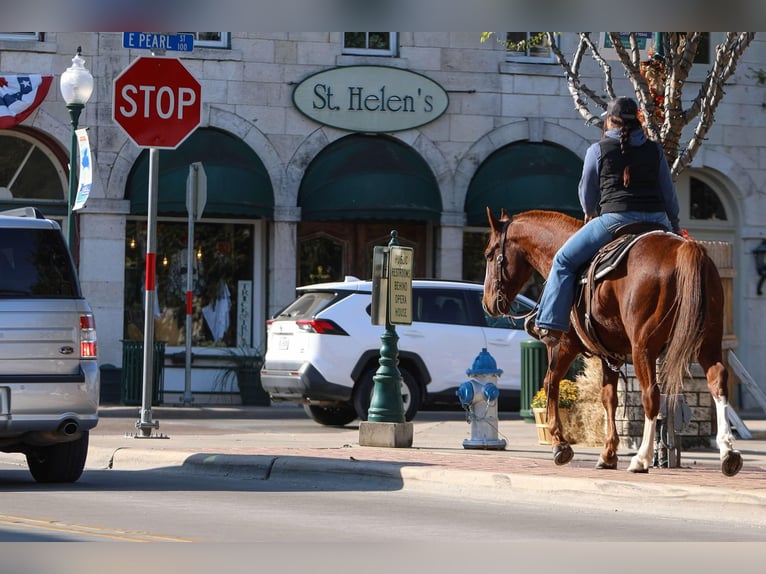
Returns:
(518,177)
(353,194)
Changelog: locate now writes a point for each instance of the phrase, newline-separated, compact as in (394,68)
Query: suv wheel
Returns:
(337,416)
(410,394)
(62,462)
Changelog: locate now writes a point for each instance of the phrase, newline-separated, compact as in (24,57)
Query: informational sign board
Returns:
(400,285)
(392,285)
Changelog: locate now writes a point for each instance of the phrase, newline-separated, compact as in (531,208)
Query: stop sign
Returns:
(157,102)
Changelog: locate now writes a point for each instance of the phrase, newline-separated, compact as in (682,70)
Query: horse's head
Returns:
(508,268)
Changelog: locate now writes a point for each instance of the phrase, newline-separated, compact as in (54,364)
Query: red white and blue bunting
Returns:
(20,96)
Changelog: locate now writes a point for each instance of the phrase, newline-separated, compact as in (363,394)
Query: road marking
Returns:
(112,533)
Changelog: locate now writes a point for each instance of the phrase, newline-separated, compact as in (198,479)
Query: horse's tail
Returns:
(688,327)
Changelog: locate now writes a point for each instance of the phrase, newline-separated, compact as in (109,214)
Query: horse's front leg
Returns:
(608,457)
(560,356)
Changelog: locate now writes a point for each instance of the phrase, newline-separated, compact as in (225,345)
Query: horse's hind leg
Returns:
(717,380)
(608,457)
(646,374)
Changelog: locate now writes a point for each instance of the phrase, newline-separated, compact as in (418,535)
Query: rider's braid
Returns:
(625,150)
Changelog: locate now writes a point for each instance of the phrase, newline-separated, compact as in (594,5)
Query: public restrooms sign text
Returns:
(370,98)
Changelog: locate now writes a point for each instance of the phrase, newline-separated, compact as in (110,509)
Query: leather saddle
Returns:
(604,262)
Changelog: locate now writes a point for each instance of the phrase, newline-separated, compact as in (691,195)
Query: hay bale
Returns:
(587,419)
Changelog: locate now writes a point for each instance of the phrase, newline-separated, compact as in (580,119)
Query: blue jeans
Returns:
(558,294)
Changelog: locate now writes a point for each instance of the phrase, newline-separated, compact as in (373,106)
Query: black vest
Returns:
(643,193)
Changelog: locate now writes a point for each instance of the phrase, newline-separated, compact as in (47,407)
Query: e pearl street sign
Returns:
(157,102)
(147,41)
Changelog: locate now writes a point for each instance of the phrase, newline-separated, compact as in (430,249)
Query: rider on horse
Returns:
(627,179)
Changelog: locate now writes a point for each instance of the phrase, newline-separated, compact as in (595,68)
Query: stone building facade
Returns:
(294,198)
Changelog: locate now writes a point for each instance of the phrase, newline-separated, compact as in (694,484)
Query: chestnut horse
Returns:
(664,300)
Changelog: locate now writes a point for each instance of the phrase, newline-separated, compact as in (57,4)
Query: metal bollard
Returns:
(479,396)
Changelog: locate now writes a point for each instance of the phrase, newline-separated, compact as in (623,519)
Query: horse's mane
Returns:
(555,218)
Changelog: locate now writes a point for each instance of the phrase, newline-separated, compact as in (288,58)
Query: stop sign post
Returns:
(158,103)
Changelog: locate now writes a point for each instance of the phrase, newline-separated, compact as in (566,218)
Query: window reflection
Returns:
(222,259)
(705,203)
(321,260)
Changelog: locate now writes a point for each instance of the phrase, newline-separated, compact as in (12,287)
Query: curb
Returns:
(480,485)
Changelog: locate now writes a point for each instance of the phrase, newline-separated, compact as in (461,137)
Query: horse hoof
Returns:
(562,454)
(731,463)
(601,465)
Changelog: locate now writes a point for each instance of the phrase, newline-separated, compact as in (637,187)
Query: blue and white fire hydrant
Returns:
(478,396)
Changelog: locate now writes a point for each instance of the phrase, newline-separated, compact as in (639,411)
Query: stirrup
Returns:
(544,335)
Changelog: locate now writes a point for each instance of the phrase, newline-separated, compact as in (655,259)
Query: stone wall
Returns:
(701,429)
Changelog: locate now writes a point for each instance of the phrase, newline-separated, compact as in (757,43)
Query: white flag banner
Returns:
(86,173)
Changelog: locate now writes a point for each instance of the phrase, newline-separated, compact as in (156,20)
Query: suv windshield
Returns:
(34,263)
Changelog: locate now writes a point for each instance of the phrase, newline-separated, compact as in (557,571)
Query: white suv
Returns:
(49,377)
(323,351)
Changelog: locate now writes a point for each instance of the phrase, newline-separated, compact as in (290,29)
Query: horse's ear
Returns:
(504,214)
(494,223)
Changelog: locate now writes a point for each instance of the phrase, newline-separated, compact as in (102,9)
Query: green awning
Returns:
(369,177)
(237,181)
(524,176)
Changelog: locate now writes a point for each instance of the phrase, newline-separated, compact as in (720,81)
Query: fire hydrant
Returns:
(478,396)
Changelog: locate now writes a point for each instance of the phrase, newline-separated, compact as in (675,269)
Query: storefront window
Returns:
(321,260)
(222,283)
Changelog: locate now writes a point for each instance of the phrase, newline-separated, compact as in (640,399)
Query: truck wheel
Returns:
(62,462)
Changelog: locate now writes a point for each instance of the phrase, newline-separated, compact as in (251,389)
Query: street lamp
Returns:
(760,263)
(76,89)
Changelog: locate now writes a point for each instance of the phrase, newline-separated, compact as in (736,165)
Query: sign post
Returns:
(158,103)
(196,197)
(391,305)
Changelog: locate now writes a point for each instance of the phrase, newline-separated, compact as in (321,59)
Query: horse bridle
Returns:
(500,296)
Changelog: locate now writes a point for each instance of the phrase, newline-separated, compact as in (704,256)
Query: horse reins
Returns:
(500,295)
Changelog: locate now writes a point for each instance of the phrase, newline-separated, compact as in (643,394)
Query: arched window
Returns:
(31,173)
(704,202)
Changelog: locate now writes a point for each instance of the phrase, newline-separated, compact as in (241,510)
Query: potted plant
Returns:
(243,366)
(568,392)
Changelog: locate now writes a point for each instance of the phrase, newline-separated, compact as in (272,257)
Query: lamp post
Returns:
(760,263)
(76,88)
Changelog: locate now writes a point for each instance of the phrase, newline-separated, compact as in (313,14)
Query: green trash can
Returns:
(534,364)
(133,372)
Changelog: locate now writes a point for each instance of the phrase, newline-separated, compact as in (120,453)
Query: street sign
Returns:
(157,102)
(196,190)
(147,41)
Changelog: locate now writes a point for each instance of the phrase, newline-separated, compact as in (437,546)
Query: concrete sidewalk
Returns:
(280,441)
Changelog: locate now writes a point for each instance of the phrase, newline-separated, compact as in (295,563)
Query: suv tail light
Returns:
(88,346)
(320,326)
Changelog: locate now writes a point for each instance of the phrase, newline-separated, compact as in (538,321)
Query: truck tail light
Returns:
(88,345)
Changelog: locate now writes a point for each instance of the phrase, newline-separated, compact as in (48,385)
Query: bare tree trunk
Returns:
(658,84)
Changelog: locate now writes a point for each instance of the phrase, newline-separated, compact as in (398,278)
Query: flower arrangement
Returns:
(568,392)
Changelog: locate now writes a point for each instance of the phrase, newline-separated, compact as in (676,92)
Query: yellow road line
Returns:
(71,528)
